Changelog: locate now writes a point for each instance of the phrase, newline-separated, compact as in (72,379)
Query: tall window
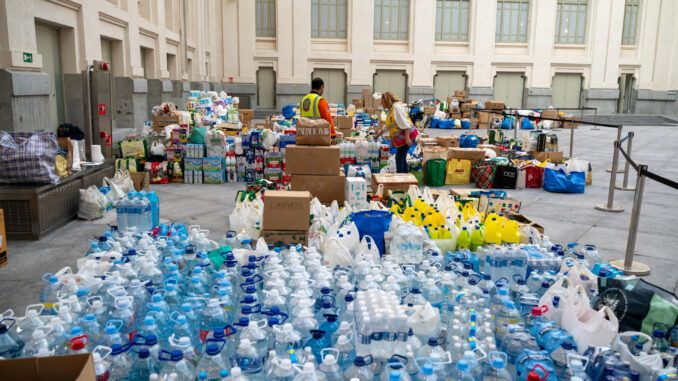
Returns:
(265,10)
(630,21)
(328,19)
(452,20)
(571,21)
(512,20)
(391,19)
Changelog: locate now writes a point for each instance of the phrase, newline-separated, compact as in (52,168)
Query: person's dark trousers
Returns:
(401,158)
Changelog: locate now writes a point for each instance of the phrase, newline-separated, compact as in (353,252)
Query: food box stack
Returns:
(287,216)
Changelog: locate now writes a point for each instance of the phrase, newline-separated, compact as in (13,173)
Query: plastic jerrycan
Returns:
(510,233)
(493,232)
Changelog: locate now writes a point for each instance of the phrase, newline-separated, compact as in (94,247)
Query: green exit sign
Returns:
(28,57)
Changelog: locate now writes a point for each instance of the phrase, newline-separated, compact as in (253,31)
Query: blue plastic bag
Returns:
(465,124)
(435,122)
(288,112)
(507,124)
(468,141)
(447,124)
(559,181)
(526,124)
(373,223)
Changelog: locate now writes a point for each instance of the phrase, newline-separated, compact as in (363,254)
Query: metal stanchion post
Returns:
(627,264)
(619,170)
(625,185)
(595,119)
(609,207)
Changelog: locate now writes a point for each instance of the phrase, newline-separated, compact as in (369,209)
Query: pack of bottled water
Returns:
(170,304)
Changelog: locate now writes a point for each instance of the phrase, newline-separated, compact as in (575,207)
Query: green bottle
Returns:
(476,239)
(464,239)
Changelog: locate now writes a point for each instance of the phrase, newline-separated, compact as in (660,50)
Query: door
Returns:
(266,88)
(566,90)
(446,82)
(626,84)
(394,81)
(50,50)
(509,88)
(335,84)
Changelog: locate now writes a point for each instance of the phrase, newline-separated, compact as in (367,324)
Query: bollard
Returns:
(619,170)
(595,120)
(625,184)
(609,207)
(628,265)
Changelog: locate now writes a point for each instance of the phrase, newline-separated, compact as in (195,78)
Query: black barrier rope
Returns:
(644,172)
(660,179)
(533,118)
(628,159)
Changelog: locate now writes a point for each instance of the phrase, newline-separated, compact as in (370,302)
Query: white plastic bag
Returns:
(646,364)
(557,289)
(116,193)
(76,156)
(336,254)
(92,203)
(579,275)
(124,181)
(590,328)
(368,250)
(427,195)
(577,165)
(413,192)
(424,320)
(269,138)
(157,148)
(360,170)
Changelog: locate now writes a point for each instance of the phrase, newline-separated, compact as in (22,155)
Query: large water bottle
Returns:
(174,362)
(147,214)
(122,213)
(330,367)
(247,359)
(212,362)
(497,369)
(212,317)
(143,366)
(360,369)
(49,296)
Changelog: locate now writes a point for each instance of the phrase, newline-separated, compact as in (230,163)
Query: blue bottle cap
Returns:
(462,365)
(176,355)
(151,340)
(144,353)
(433,341)
(223,373)
(498,363)
(427,369)
(212,349)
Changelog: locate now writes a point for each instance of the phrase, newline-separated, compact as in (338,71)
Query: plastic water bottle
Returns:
(213,317)
(212,362)
(497,369)
(247,358)
(143,366)
(49,296)
(122,212)
(174,362)
(360,369)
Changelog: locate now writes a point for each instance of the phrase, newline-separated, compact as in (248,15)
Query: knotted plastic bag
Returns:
(424,319)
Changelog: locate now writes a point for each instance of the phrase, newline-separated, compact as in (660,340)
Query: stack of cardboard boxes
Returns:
(287,216)
(344,124)
(316,169)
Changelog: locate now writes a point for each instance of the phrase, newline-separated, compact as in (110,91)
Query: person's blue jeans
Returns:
(401,159)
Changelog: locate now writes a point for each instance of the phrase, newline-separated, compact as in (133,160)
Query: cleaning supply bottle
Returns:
(493,232)
(476,239)
(510,233)
(464,239)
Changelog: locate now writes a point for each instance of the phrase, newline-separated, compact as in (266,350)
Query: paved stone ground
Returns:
(566,218)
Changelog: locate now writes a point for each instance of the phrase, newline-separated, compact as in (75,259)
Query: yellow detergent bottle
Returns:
(510,233)
(464,239)
(445,234)
(476,238)
(493,232)
(434,233)
(489,217)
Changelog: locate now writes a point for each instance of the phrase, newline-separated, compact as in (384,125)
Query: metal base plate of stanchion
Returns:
(613,209)
(637,268)
(621,187)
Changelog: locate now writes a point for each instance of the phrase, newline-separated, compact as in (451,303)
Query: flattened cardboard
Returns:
(141,180)
(78,367)
(285,210)
(279,238)
(325,188)
(460,93)
(524,221)
(554,157)
(312,160)
(448,141)
(393,182)
(488,205)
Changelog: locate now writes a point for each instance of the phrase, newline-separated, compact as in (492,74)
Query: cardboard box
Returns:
(368,99)
(343,122)
(468,106)
(472,154)
(3,240)
(466,114)
(460,93)
(357,102)
(489,146)
(279,238)
(78,367)
(246,116)
(489,205)
(475,123)
(429,110)
(555,157)
(455,115)
(435,152)
(214,177)
(494,105)
(463,192)
(193,164)
(356,192)
(568,122)
(428,142)
(448,141)
(264,126)
(160,122)
(212,164)
(312,160)
(550,114)
(522,220)
(325,188)
(393,182)
(284,210)
(141,181)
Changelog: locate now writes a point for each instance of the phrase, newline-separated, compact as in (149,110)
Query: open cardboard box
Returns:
(78,367)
